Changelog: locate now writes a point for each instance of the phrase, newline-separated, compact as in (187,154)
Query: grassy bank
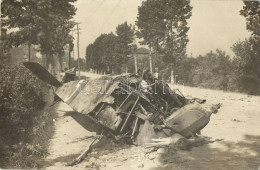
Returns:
(26,122)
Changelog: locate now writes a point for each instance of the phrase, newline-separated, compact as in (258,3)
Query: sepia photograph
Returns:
(130,84)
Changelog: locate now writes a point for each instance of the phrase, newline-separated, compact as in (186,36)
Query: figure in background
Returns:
(156,74)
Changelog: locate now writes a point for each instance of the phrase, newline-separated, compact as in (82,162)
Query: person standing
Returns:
(156,74)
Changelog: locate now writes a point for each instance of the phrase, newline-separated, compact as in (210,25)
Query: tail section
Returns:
(42,73)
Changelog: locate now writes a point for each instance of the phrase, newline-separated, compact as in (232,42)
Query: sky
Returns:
(213,24)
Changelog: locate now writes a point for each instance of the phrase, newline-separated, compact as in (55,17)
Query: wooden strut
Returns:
(129,114)
(134,129)
(124,101)
(85,153)
(143,109)
(100,109)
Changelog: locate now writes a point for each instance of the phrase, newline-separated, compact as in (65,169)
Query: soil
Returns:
(236,127)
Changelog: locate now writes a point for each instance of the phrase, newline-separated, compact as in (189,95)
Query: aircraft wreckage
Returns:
(133,108)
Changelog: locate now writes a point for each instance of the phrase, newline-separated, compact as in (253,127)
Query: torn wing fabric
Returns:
(83,96)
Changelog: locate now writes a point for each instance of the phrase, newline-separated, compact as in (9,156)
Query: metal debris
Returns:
(122,105)
(134,108)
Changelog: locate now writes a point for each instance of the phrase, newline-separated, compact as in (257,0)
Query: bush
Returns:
(22,95)
(246,65)
(216,70)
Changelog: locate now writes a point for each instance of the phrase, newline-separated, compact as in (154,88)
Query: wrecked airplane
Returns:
(134,108)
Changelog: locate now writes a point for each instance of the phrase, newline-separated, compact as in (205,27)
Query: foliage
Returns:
(101,54)
(89,56)
(125,37)
(22,95)
(247,52)
(163,25)
(252,14)
(246,64)
(17,84)
(39,22)
(216,70)
(209,71)
(212,70)
(109,51)
(150,22)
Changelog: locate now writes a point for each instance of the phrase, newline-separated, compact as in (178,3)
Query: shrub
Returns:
(22,95)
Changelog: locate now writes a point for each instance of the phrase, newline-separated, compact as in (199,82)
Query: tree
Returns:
(211,70)
(247,59)
(251,11)
(89,56)
(109,51)
(163,25)
(40,22)
(5,56)
(109,45)
(246,64)
(150,21)
(101,54)
(125,37)
(176,39)
(98,53)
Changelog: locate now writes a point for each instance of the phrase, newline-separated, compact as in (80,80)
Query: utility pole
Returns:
(78,49)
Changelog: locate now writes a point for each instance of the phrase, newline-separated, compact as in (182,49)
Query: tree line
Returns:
(110,51)
(217,70)
(162,26)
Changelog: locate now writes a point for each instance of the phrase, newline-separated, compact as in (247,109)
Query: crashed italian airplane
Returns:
(134,108)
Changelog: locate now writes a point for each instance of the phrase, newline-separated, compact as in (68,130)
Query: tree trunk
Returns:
(126,69)
(53,65)
(150,59)
(156,53)
(49,63)
(69,57)
(57,66)
(172,77)
(135,63)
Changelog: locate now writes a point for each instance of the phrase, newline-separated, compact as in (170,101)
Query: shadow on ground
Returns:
(240,155)
(85,121)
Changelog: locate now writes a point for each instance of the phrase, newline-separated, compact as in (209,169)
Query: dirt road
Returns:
(237,123)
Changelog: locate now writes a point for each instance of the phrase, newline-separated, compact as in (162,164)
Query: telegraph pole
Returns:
(78,49)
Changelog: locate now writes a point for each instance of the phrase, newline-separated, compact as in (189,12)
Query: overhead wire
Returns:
(106,20)
(96,9)
(111,13)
